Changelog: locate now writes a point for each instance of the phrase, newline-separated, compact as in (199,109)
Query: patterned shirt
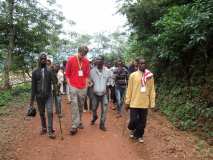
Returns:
(121,77)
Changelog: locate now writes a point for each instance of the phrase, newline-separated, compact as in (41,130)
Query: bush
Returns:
(7,95)
(186,112)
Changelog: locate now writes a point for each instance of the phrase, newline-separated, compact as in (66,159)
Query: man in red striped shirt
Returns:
(77,73)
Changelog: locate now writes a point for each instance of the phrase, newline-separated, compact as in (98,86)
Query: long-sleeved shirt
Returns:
(72,72)
(137,99)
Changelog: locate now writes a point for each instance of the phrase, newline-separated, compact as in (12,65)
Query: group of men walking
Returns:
(101,82)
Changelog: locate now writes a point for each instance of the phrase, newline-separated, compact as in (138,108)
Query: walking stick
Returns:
(59,120)
(125,115)
(124,122)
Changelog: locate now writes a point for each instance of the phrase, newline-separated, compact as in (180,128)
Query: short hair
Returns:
(83,49)
(120,62)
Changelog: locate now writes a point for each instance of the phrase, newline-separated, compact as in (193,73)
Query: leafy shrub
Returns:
(185,113)
(7,95)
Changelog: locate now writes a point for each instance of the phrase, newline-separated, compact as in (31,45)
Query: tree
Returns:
(27,29)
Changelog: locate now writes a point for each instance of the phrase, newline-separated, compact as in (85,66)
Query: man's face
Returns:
(48,63)
(81,55)
(120,65)
(142,65)
(43,59)
(108,65)
(99,62)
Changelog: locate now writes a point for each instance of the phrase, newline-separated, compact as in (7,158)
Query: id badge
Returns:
(80,73)
(143,89)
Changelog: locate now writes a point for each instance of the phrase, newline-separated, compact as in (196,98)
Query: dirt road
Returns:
(162,141)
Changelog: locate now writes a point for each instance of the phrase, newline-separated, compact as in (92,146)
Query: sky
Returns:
(92,16)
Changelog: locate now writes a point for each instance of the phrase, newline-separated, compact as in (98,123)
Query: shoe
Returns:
(51,135)
(93,120)
(103,128)
(81,126)
(73,131)
(140,140)
(43,131)
(131,134)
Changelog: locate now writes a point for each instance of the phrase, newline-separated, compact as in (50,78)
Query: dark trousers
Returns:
(65,87)
(89,96)
(57,100)
(104,107)
(42,104)
(137,123)
(111,93)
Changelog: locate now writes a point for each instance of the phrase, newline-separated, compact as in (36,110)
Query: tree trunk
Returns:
(24,76)
(11,37)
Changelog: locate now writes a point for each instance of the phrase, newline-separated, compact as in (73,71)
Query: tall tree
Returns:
(28,28)
(11,38)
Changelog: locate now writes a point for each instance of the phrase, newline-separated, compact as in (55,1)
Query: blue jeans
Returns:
(42,104)
(57,104)
(119,94)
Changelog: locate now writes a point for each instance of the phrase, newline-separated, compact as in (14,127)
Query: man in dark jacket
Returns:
(42,82)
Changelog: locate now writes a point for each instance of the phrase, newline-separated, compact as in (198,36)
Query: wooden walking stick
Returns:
(125,114)
(124,122)
(59,120)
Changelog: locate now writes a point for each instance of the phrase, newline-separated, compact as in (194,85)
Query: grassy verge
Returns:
(186,111)
(17,96)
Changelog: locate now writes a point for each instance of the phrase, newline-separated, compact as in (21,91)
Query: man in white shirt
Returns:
(99,76)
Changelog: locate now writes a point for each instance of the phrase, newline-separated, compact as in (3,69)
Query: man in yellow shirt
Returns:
(140,96)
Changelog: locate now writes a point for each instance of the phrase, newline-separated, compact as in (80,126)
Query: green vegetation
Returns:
(27,28)
(186,112)
(175,37)
(18,95)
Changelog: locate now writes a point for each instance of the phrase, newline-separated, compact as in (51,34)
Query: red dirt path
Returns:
(162,141)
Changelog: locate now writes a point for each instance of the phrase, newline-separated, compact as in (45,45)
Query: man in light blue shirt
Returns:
(100,77)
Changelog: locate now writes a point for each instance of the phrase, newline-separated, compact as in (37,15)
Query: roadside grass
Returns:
(16,97)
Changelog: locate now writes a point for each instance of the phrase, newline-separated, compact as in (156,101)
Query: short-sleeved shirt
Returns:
(100,80)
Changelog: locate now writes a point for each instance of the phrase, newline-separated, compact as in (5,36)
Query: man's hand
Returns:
(90,83)
(126,107)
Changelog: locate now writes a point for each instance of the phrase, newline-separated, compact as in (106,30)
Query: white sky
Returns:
(92,16)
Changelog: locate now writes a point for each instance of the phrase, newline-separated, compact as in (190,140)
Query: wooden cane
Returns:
(59,120)
(125,114)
